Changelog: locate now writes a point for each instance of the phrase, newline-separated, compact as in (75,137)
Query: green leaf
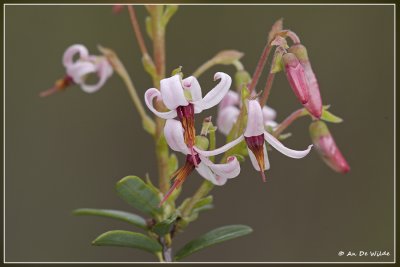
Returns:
(114,214)
(120,238)
(211,238)
(139,195)
(203,202)
(164,227)
(329,117)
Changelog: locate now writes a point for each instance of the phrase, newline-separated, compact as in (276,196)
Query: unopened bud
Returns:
(201,142)
(314,105)
(327,148)
(242,78)
(227,57)
(296,77)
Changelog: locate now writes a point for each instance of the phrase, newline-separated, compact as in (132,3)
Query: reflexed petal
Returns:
(220,150)
(173,132)
(206,172)
(191,84)
(268,113)
(71,51)
(217,93)
(296,154)
(78,70)
(172,92)
(226,118)
(230,99)
(148,98)
(104,72)
(255,121)
(254,160)
(230,169)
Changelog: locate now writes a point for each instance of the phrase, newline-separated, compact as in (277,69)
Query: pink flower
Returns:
(296,77)
(255,136)
(78,70)
(184,98)
(327,148)
(228,113)
(218,174)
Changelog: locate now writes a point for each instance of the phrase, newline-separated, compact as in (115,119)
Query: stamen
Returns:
(186,116)
(59,85)
(256,145)
(180,175)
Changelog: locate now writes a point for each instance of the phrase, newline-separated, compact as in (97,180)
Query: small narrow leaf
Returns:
(120,238)
(164,227)
(139,195)
(211,238)
(329,117)
(114,214)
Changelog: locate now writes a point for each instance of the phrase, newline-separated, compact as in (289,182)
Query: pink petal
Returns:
(219,173)
(227,118)
(71,51)
(206,173)
(217,93)
(269,114)
(172,92)
(230,99)
(79,70)
(220,150)
(148,98)
(191,84)
(104,71)
(296,154)
(296,77)
(255,120)
(173,132)
(314,105)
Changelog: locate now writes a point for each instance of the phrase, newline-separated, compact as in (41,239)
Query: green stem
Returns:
(201,192)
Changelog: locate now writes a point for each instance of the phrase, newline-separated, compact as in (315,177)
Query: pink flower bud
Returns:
(296,77)
(327,148)
(314,105)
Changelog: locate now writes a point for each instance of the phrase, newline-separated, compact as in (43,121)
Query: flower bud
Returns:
(296,77)
(314,105)
(327,148)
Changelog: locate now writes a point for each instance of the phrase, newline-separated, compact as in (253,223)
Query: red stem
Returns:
(136,29)
(260,66)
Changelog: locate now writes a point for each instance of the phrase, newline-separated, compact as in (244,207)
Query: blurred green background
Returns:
(67,151)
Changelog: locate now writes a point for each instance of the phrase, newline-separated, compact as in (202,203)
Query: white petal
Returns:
(79,70)
(104,71)
(217,93)
(173,132)
(71,51)
(230,169)
(220,150)
(172,92)
(268,113)
(230,99)
(254,160)
(191,84)
(206,172)
(296,154)
(148,98)
(255,121)
(227,118)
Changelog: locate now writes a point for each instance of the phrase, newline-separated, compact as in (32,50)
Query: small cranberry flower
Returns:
(314,105)
(327,148)
(184,98)
(228,113)
(296,77)
(78,70)
(218,174)
(255,136)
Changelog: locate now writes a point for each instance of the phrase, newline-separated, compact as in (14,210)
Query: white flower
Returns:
(85,65)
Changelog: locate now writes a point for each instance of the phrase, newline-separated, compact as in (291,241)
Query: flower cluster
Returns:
(183,98)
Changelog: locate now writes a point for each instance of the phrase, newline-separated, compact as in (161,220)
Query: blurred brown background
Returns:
(68,150)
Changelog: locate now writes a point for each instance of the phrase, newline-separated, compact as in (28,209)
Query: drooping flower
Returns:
(77,71)
(228,113)
(218,174)
(314,105)
(184,98)
(327,148)
(255,136)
